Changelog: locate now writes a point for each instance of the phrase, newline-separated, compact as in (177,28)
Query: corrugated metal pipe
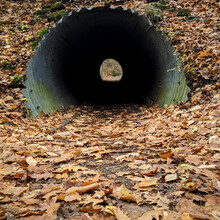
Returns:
(65,68)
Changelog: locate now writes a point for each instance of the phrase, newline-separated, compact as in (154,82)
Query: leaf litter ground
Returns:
(113,162)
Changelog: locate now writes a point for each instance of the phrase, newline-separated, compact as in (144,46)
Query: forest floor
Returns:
(124,162)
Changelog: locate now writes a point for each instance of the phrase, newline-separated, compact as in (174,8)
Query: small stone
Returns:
(49,138)
(205,73)
(214,140)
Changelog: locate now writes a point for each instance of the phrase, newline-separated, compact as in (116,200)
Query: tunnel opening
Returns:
(65,69)
(111,71)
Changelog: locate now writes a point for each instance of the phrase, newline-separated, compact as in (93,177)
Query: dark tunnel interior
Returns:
(106,34)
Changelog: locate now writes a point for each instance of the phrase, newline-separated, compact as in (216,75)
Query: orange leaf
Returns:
(91,208)
(203,54)
(61,197)
(167,155)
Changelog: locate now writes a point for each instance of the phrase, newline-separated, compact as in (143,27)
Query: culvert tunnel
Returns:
(65,69)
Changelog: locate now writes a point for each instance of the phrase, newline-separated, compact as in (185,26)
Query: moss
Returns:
(154,13)
(42,12)
(42,32)
(115,73)
(42,98)
(47,6)
(183,12)
(34,44)
(57,15)
(74,3)
(55,1)
(22,28)
(17,81)
(163,6)
(7,65)
(57,7)
(2,23)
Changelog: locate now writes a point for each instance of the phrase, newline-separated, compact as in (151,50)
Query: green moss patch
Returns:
(17,81)
(163,6)
(57,7)
(42,12)
(7,65)
(47,6)
(57,15)
(183,12)
(40,34)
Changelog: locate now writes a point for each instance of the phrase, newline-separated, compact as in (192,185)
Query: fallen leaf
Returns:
(39,176)
(149,181)
(120,215)
(91,208)
(12,190)
(2,214)
(110,209)
(170,177)
(129,197)
(52,207)
(154,214)
(203,54)
(73,197)
(169,154)
(82,189)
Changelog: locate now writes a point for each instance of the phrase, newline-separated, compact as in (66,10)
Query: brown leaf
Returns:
(39,176)
(51,206)
(129,197)
(169,154)
(61,176)
(154,214)
(12,190)
(82,189)
(2,214)
(30,201)
(73,197)
(91,208)
(120,215)
(170,177)
(149,181)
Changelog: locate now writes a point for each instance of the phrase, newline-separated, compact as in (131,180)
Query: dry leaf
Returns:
(154,214)
(52,207)
(72,197)
(82,189)
(120,215)
(170,177)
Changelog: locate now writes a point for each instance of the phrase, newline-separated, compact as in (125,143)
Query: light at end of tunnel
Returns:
(111,71)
